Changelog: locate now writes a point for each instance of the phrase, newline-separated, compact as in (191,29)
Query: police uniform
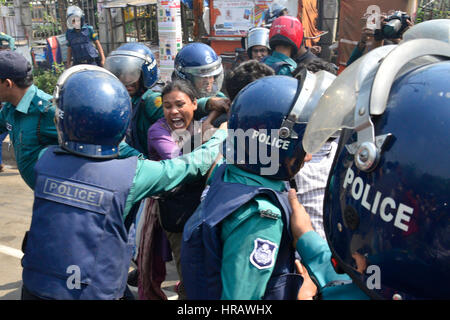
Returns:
(316,257)
(287,65)
(83,50)
(92,205)
(30,123)
(9,39)
(146,111)
(244,234)
(256,260)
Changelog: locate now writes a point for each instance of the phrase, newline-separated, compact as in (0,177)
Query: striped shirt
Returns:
(311,182)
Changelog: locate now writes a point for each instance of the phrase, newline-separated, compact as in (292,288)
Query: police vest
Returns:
(77,246)
(201,252)
(81,44)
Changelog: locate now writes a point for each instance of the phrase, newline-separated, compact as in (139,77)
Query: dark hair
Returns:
(179,85)
(314,66)
(24,82)
(243,74)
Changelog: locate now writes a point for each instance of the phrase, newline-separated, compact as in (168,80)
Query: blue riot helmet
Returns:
(131,62)
(75,17)
(386,210)
(199,64)
(93,111)
(267,121)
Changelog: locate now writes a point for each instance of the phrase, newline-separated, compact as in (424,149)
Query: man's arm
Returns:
(100,52)
(314,250)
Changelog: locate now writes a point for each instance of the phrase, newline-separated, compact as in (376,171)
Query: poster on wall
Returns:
(261,10)
(232,17)
(170,35)
(235,17)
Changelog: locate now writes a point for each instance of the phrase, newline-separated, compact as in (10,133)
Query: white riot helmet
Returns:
(257,37)
(75,17)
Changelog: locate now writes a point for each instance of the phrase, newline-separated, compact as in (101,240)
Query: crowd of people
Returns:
(278,179)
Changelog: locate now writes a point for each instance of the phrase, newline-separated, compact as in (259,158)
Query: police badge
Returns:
(263,254)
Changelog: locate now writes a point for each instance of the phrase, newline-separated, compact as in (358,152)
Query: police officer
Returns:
(386,203)
(80,37)
(27,114)
(285,39)
(9,39)
(77,246)
(257,43)
(237,244)
(135,66)
(199,64)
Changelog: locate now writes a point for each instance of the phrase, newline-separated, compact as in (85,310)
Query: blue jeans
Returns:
(2,137)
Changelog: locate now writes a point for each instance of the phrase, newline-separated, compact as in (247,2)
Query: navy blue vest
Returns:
(77,246)
(201,252)
(81,44)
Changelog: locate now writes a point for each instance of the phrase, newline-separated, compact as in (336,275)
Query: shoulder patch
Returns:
(263,254)
(157,101)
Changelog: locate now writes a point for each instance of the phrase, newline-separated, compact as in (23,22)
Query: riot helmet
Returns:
(199,64)
(93,111)
(132,62)
(267,121)
(257,37)
(386,211)
(75,17)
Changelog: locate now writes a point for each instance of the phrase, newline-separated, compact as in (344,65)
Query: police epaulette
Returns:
(269,214)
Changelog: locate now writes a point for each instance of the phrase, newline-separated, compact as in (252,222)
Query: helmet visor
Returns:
(126,68)
(74,22)
(207,79)
(207,86)
(336,107)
